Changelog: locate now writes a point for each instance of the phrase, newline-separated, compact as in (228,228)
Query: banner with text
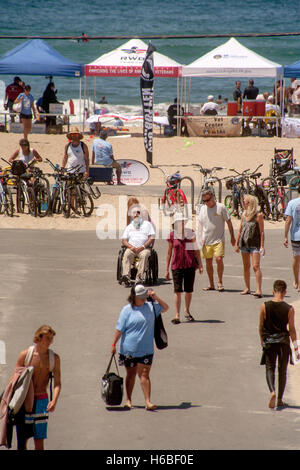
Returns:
(214,126)
(146,83)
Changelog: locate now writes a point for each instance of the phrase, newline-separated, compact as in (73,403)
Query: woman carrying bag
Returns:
(135,327)
(250,241)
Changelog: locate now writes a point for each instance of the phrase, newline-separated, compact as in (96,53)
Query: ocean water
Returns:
(154,17)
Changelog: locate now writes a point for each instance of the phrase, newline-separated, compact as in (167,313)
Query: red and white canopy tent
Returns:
(127,61)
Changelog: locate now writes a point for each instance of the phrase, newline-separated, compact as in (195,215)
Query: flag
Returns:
(146,83)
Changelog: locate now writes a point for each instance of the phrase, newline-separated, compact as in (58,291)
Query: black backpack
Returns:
(112,386)
(18,167)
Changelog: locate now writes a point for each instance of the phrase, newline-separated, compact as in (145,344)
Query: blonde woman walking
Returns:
(250,241)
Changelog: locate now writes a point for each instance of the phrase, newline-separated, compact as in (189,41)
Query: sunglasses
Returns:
(206,200)
(136,213)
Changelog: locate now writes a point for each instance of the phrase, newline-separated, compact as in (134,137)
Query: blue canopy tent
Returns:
(36,57)
(292,70)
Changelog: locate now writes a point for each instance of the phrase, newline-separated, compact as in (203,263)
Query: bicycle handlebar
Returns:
(245,172)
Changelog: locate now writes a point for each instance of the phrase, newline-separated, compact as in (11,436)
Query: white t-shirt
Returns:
(273,107)
(138,237)
(76,157)
(209,105)
(212,223)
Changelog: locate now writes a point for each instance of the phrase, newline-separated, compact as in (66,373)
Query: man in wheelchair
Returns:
(137,239)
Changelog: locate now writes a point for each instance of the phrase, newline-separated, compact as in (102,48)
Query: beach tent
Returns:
(232,59)
(292,70)
(36,57)
(127,61)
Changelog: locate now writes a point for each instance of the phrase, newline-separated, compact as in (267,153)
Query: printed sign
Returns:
(134,173)
(213,126)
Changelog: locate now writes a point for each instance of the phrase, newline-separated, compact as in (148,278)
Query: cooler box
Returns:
(232,108)
(260,108)
(100,173)
(249,108)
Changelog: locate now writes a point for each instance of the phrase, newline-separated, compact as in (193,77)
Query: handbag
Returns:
(112,386)
(160,334)
(17,107)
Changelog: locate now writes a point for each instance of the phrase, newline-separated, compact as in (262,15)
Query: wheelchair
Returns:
(283,165)
(151,273)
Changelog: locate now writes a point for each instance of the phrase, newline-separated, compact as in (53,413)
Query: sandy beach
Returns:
(239,152)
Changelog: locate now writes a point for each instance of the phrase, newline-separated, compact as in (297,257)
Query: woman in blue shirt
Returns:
(27,108)
(135,327)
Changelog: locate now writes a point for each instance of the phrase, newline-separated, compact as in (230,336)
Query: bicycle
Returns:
(252,188)
(277,195)
(209,181)
(24,192)
(234,201)
(6,200)
(69,193)
(42,193)
(174,199)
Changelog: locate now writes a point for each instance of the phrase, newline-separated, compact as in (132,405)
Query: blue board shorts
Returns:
(39,416)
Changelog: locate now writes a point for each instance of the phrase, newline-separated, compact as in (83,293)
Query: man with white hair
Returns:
(210,108)
(270,106)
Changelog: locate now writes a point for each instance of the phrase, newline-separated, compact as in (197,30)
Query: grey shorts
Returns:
(295,247)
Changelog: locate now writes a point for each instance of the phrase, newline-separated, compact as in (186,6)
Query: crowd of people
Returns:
(184,254)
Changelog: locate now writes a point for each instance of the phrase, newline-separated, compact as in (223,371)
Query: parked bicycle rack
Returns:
(192,191)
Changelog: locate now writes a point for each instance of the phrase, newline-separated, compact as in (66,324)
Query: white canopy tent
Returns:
(127,61)
(232,59)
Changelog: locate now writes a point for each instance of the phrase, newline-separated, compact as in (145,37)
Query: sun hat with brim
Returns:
(74,130)
(179,217)
(140,291)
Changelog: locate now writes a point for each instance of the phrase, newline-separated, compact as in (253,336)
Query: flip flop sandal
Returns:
(189,317)
(220,288)
(258,296)
(175,321)
(208,288)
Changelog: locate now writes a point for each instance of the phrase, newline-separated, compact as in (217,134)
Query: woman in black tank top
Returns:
(276,326)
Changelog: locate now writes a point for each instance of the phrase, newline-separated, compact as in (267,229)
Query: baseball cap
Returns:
(140,291)
(210,97)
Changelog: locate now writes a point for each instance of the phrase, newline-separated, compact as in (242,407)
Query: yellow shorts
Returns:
(210,251)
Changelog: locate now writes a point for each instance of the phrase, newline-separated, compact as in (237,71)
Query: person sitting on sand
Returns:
(25,154)
(102,154)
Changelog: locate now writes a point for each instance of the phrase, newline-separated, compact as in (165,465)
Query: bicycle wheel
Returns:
(66,206)
(31,201)
(2,198)
(269,183)
(9,207)
(263,201)
(282,203)
(20,197)
(169,208)
(273,203)
(42,199)
(228,203)
(294,183)
(86,202)
(55,203)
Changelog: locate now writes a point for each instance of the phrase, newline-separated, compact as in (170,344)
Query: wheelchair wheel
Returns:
(119,266)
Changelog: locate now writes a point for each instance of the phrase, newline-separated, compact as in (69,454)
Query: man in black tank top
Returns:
(276,326)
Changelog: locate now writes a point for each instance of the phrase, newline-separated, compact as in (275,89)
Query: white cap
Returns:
(140,291)
(210,97)
(270,98)
(179,217)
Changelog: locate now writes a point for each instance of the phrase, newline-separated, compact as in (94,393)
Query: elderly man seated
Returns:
(102,154)
(210,108)
(271,110)
(138,237)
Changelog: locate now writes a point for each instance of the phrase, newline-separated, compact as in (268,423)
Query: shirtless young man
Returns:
(43,338)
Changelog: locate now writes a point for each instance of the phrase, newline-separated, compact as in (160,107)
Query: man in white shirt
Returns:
(212,218)
(210,108)
(137,238)
(270,106)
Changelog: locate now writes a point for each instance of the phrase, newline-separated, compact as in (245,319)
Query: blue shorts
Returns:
(40,416)
(250,250)
(129,361)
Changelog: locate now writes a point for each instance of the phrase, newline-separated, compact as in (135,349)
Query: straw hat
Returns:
(74,130)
